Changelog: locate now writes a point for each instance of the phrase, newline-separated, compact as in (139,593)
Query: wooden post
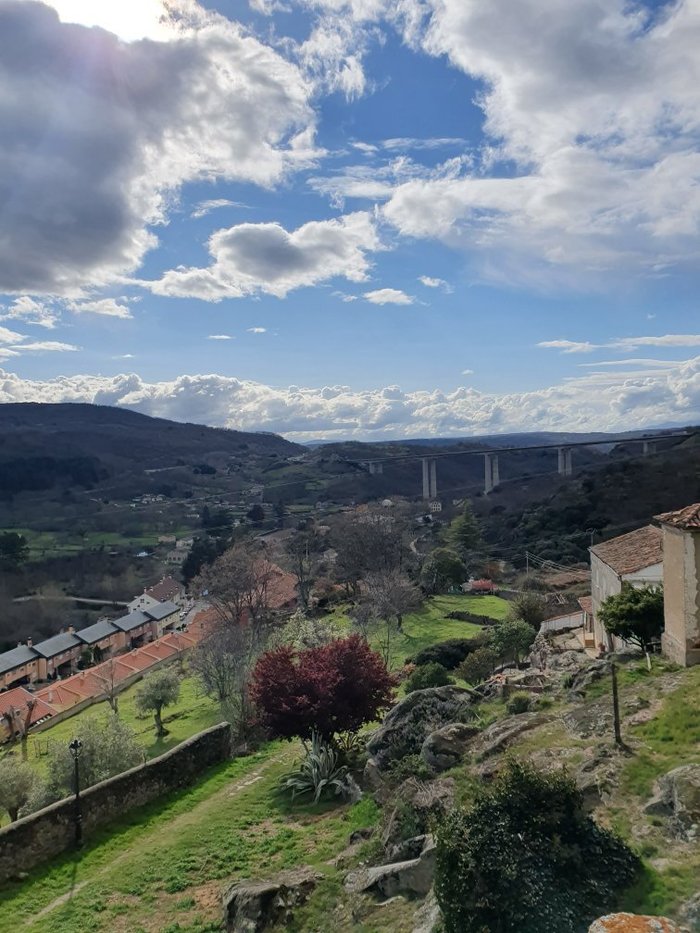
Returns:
(616,705)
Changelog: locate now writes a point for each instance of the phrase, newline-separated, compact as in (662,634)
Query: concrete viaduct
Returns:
(491,468)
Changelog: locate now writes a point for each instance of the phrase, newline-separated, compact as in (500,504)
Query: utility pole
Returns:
(616,705)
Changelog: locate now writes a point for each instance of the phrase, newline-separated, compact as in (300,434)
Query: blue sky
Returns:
(354,218)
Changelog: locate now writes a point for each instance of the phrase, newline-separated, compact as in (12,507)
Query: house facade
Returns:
(58,656)
(681,570)
(636,559)
(18,666)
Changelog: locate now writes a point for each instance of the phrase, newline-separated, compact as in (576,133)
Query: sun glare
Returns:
(128,19)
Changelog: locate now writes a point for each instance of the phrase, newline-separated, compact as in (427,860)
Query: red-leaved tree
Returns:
(335,688)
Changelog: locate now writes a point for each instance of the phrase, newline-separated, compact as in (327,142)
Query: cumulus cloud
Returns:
(612,402)
(388,296)
(592,117)
(99,135)
(107,307)
(430,282)
(28,309)
(251,258)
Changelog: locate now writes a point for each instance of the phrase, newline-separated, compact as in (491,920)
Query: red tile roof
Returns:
(18,699)
(689,517)
(586,603)
(167,589)
(633,551)
(282,590)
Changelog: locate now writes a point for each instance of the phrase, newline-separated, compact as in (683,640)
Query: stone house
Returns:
(635,558)
(681,573)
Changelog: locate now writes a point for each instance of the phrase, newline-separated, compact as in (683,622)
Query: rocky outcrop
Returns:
(254,906)
(678,798)
(411,721)
(414,877)
(417,805)
(427,918)
(633,923)
(598,777)
(689,913)
(445,748)
(502,733)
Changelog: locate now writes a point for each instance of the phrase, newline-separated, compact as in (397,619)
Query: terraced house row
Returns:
(148,618)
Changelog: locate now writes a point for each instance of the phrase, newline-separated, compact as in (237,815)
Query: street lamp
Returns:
(75,747)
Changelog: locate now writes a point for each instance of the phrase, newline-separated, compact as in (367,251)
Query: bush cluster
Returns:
(460,615)
(449,654)
(428,675)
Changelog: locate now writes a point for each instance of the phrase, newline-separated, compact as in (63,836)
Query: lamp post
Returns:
(75,748)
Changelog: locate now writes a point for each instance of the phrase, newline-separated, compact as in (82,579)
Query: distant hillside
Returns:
(81,444)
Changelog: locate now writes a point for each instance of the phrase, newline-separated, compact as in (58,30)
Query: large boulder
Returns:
(445,748)
(689,913)
(678,798)
(499,735)
(410,722)
(427,918)
(254,906)
(414,877)
(417,805)
(633,923)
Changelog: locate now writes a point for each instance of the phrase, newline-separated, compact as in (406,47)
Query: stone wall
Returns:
(47,833)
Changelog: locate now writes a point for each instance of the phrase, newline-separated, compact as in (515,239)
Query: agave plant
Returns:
(318,773)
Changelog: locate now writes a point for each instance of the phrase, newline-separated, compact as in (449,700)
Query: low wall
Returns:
(51,831)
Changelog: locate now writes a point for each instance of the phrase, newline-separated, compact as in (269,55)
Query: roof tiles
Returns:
(632,552)
(687,518)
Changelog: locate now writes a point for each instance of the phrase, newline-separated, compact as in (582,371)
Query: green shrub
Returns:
(318,774)
(450,653)
(519,703)
(526,857)
(411,766)
(478,666)
(428,675)
(462,615)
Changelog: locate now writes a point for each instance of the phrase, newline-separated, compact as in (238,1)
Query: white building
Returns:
(681,543)
(635,558)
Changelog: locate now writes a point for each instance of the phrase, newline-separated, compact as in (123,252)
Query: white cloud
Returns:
(467,372)
(257,330)
(99,135)
(206,207)
(592,112)
(220,337)
(623,343)
(106,307)
(388,296)
(45,346)
(253,258)
(430,282)
(610,401)
(25,308)
(10,336)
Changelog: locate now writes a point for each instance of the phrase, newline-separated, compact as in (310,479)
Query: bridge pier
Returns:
(491,476)
(648,447)
(565,466)
(375,467)
(429,477)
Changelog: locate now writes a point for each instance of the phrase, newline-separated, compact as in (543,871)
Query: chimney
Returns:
(29,642)
(71,629)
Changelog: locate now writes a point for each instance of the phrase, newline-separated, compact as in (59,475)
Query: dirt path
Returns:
(173,826)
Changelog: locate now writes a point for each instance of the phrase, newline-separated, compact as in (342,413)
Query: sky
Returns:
(367,219)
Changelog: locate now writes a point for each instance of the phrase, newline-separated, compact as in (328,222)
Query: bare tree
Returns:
(17,720)
(237,585)
(107,677)
(302,555)
(374,543)
(387,598)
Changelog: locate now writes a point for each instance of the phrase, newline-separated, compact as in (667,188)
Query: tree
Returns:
(464,534)
(530,607)
(14,550)
(636,615)
(109,747)
(302,631)
(527,858)
(17,720)
(106,674)
(478,666)
(256,514)
(332,689)
(428,675)
(18,782)
(389,595)
(442,569)
(159,689)
(204,551)
(510,638)
(237,586)
(302,550)
(223,662)
(375,544)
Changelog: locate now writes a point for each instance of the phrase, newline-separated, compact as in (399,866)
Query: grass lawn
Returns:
(430,624)
(163,868)
(192,713)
